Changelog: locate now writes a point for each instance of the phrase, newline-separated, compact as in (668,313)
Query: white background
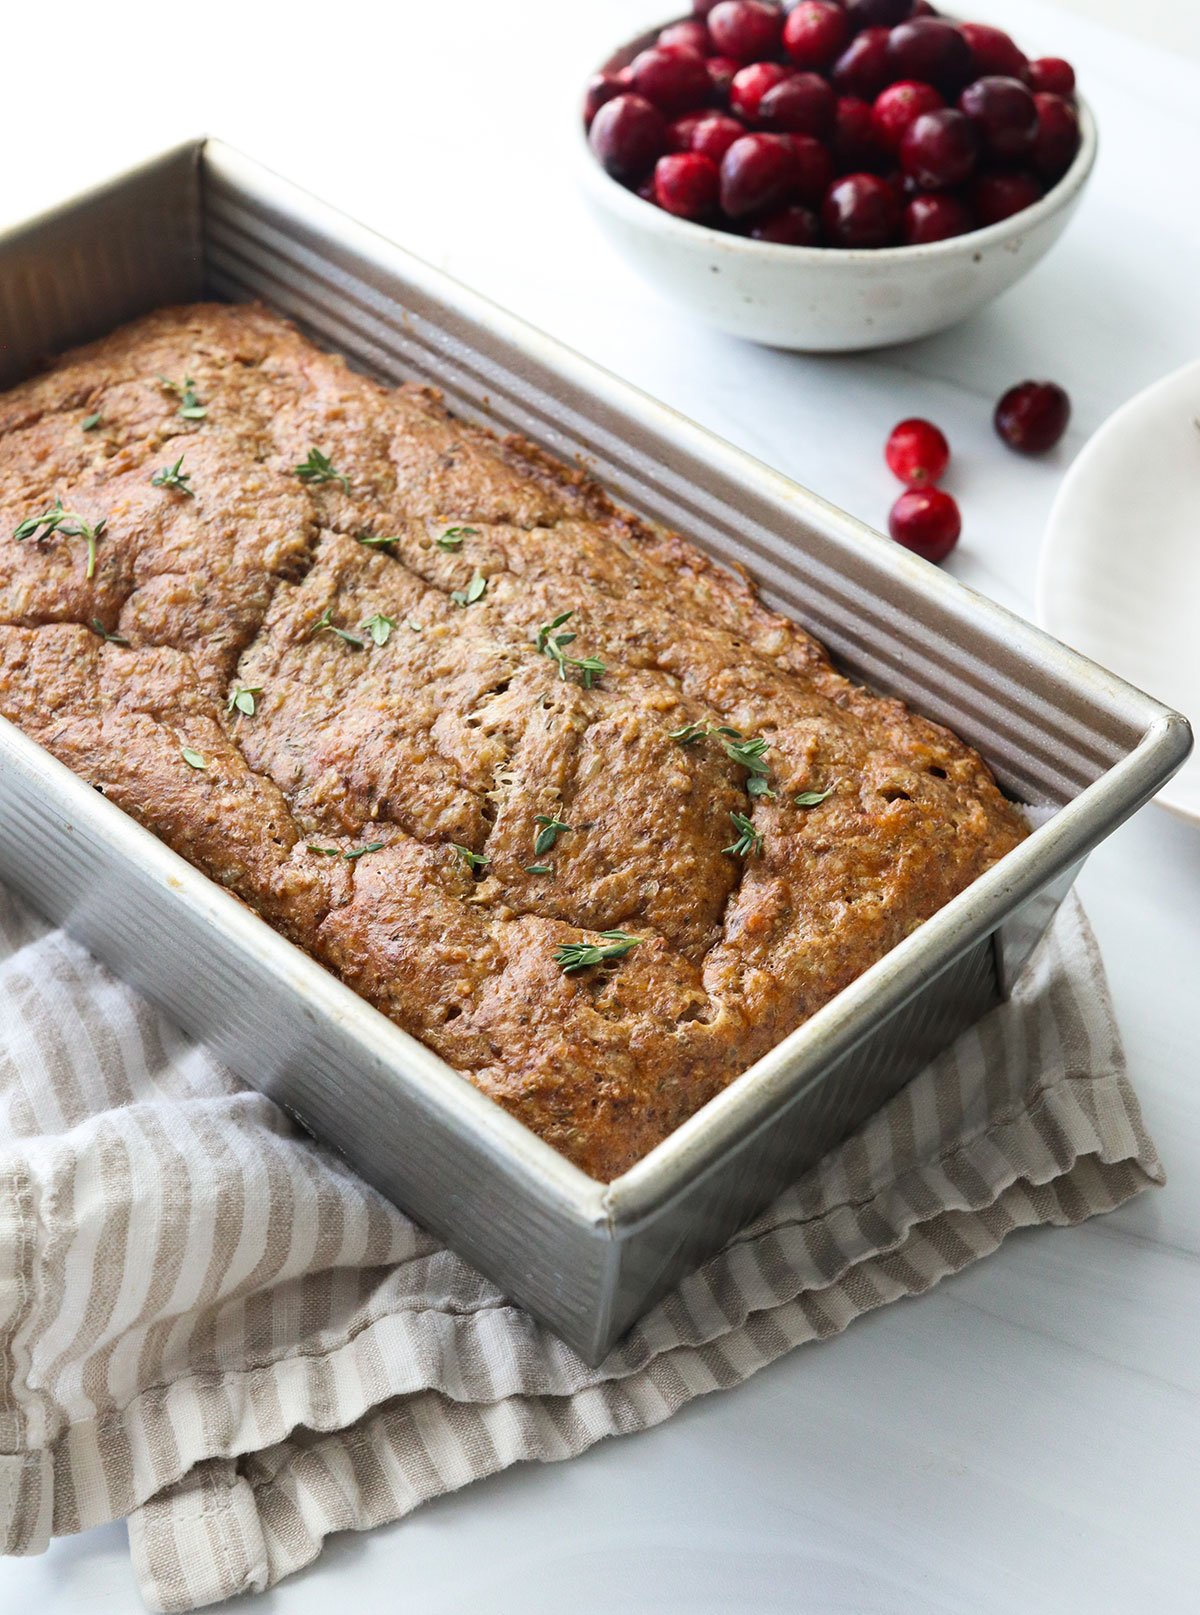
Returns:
(1023,1439)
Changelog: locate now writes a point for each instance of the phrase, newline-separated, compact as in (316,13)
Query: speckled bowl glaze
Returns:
(828,299)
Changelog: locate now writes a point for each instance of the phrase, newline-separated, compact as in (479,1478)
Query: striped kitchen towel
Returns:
(210,1326)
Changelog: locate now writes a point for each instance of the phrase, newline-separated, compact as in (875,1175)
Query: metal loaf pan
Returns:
(587,1258)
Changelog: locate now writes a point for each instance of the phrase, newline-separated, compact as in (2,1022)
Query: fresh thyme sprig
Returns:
(380,628)
(326,625)
(190,406)
(473,860)
(812,798)
(548,834)
(453,537)
(320,468)
(170,476)
(553,644)
(361,852)
(573,956)
(242,698)
(749,842)
(378,540)
(475,590)
(111,639)
(57,520)
(691,732)
(749,754)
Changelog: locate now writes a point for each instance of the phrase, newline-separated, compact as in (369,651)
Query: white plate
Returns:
(1120,569)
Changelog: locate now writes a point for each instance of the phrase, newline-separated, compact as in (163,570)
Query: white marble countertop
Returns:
(1024,1438)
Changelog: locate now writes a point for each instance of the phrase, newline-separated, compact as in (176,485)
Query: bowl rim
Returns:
(641,212)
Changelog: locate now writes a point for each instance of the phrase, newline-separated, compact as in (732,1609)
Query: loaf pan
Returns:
(587,1258)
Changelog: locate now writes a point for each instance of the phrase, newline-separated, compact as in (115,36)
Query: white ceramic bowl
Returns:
(827,299)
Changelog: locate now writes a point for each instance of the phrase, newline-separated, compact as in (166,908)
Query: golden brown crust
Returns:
(457,732)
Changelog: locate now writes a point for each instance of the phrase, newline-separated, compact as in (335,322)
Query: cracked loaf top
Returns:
(314,634)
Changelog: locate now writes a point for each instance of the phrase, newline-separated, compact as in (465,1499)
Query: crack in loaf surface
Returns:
(344,684)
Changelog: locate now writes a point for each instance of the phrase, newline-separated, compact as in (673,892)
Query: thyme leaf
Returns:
(573,956)
(194,759)
(749,842)
(111,639)
(548,834)
(812,798)
(539,869)
(473,860)
(378,539)
(242,698)
(325,624)
(170,476)
(475,590)
(361,852)
(453,537)
(190,406)
(54,519)
(750,754)
(380,628)
(553,644)
(320,468)
(691,732)
(89,423)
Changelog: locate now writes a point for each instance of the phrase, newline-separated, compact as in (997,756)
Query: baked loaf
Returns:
(308,658)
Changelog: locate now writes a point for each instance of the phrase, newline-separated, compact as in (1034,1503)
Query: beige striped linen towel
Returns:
(209,1325)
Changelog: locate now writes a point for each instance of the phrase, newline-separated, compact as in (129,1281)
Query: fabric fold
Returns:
(211,1327)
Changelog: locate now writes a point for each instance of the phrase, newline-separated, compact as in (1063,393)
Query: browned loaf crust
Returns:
(457,731)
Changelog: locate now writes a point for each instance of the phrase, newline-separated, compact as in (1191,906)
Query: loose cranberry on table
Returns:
(1033,416)
(897,106)
(712,136)
(803,104)
(939,149)
(1053,75)
(747,30)
(861,210)
(628,135)
(751,83)
(926,521)
(674,81)
(917,453)
(815,33)
(936,216)
(877,13)
(993,51)
(690,34)
(1057,138)
(1004,113)
(863,68)
(758,173)
(687,185)
(1000,194)
(793,226)
(932,50)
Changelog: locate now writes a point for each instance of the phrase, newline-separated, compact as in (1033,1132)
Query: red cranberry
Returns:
(701,8)
(936,217)
(802,104)
(628,135)
(854,144)
(757,175)
(687,184)
(812,168)
(861,210)
(748,30)
(751,83)
(863,68)
(917,453)
(1033,416)
(897,106)
(601,87)
(721,71)
(815,32)
(999,195)
(1052,75)
(713,135)
(877,13)
(681,133)
(926,521)
(690,35)
(790,227)
(674,80)
(993,51)
(1057,138)
(1004,113)
(939,149)
(932,50)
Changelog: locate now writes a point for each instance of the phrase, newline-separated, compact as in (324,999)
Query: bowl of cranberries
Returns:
(834,174)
